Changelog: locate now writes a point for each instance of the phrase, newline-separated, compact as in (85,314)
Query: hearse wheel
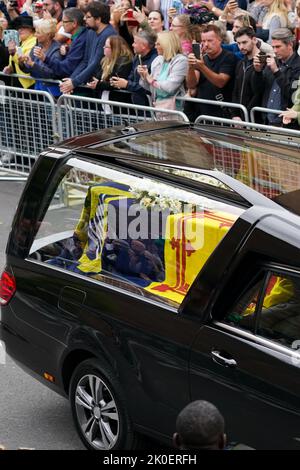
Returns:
(98,409)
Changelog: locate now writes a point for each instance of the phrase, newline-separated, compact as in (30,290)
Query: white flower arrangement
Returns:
(207,179)
(152,195)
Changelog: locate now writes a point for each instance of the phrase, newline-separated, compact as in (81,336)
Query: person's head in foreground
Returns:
(200,426)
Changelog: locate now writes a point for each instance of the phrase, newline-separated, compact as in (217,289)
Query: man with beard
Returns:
(247,90)
(97,19)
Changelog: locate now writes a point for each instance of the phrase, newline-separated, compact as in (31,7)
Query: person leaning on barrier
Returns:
(292,113)
(64,66)
(200,426)
(143,46)
(210,77)
(24,25)
(45,32)
(116,62)
(97,19)
(168,72)
(278,75)
(246,90)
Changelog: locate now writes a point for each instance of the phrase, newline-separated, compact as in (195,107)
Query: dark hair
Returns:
(74,14)
(200,425)
(248,31)
(99,10)
(61,3)
(157,11)
(211,27)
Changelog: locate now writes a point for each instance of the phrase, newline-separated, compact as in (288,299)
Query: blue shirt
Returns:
(92,55)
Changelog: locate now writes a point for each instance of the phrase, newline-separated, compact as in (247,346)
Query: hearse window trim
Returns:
(269,344)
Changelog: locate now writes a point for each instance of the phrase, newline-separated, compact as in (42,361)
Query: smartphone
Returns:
(140,59)
(11,35)
(196,46)
(133,22)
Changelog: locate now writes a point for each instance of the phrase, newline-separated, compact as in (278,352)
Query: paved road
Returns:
(30,414)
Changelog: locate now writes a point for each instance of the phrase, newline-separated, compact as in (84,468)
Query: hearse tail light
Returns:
(7,287)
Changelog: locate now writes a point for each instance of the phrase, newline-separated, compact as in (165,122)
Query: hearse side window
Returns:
(279,318)
(243,314)
(132,231)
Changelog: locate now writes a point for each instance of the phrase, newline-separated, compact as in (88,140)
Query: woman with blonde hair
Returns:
(168,71)
(47,47)
(276,16)
(181,25)
(117,62)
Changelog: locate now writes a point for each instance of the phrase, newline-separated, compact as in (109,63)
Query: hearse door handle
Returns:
(223,361)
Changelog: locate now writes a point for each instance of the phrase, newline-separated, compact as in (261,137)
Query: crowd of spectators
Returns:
(151,51)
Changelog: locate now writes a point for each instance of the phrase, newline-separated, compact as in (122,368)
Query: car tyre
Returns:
(99,410)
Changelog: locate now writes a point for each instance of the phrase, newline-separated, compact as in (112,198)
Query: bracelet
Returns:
(152,81)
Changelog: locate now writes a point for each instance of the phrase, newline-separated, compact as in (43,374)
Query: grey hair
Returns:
(74,14)
(149,36)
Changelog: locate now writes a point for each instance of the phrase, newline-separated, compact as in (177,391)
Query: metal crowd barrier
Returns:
(263,171)
(225,105)
(27,126)
(258,109)
(268,133)
(78,115)
(30,121)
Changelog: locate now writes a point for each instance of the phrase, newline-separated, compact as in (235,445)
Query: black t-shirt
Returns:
(224,63)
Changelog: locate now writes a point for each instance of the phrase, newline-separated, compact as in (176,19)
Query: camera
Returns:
(262,56)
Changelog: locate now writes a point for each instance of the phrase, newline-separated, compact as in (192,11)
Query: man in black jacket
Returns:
(247,88)
(279,78)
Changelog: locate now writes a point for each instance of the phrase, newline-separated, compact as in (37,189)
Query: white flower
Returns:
(146,202)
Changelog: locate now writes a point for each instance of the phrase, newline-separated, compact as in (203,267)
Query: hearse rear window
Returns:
(270,170)
(130,231)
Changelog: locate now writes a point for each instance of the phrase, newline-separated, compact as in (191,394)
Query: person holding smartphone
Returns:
(168,71)
(115,64)
(24,25)
(211,76)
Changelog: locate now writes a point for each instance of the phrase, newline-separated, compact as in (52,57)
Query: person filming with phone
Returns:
(278,74)
(24,25)
(210,76)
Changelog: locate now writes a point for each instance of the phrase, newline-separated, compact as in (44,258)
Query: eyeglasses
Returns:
(67,21)
(88,17)
(106,47)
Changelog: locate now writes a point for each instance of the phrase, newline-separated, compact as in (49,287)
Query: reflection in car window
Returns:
(279,319)
(243,313)
(273,172)
(134,232)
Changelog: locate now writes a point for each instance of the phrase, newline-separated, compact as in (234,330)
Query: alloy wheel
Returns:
(97,412)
